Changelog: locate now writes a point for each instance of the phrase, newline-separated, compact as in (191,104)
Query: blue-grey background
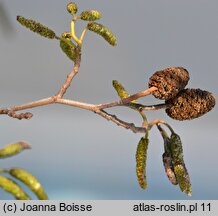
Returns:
(79,155)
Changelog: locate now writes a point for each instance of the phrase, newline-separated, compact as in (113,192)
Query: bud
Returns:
(13,188)
(190,104)
(67,46)
(66,35)
(13,149)
(169,82)
(36,27)
(103,31)
(30,180)
(141,157)
(72,8)
(91,15)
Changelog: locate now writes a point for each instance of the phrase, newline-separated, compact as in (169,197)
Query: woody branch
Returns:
(98,109)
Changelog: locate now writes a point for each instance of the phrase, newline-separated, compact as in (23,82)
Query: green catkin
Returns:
(91,15)
(30,180)
(141,157)
(13,149)
(67,46)
(176,149)
(122,93)
(13,188)
(36,27)
(183,179)
(180,170)
(72,8)
(103,31)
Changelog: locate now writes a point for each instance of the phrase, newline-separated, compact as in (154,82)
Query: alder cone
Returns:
(190,104)
(169,82)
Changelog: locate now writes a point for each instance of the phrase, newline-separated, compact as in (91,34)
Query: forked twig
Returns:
(98,109)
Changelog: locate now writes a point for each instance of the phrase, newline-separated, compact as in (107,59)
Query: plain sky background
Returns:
(79,155)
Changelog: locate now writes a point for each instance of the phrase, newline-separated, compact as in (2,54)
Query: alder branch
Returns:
(98,109)
(86,106)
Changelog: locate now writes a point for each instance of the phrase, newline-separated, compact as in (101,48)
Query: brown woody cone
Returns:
(190,104)
(169,82)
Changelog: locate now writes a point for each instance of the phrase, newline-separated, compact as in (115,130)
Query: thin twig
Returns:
(81,105)
(139,95)
(128,99)
(86,106)
(142,107)
(70,76)
(155,122)
(58,99)
(121,123)
(33,104)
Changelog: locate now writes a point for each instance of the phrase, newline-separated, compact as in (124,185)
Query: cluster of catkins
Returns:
(9,183)
(182,104)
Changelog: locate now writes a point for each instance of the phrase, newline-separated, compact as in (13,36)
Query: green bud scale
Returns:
(190,104)
(169,82)
(103,31)
(141,157)
(36,27)
(91,15)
